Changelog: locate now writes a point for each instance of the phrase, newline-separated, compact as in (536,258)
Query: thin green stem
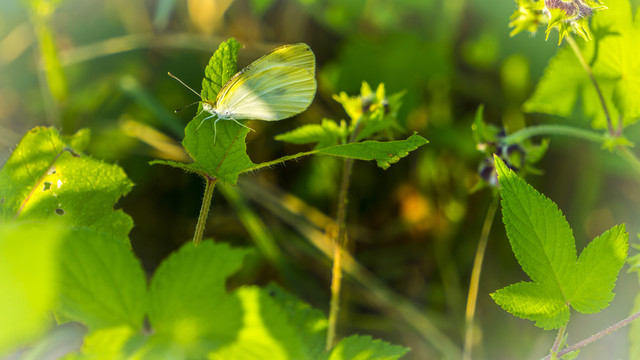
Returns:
(475,277)
(340,244)
(576,51)
(204,210)
(531,131)
(630,157)
(558,343)
(611,329)
(623,151)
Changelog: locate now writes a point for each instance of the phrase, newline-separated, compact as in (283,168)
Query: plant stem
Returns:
(531,131)
(597,336)
(576,51)
(340,244)
(204,210)
(475,277)
(630,157)
(558,343)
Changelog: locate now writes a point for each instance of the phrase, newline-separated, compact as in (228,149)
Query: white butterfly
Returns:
(277,86)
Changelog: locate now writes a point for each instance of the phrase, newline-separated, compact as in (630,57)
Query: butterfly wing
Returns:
(279,85)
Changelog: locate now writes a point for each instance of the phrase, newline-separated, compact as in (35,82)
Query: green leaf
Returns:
(540,302)
(599,265)
(187,294)
(219,150)
(47,179)
(107,343)
(28,274)
(101,282)
(543,244)
(384,153)
(310,324)
(358,347)
(327,134)
(222,66)
(564,83)
(265,332)
(225,159)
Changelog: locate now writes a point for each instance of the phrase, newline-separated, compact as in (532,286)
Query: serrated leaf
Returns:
(543,244)
(384,153)
(599,265)
(102,284)
(310,324)
(564,83)
(359,347)
(107,343)
(539,235)
(265,332)
(534,301)
(46,179)
(226,159)
(326,134)
(222,66)
(28,274)
(188,291)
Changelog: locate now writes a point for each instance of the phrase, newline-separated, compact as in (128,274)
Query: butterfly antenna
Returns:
(187,106)
(185,85)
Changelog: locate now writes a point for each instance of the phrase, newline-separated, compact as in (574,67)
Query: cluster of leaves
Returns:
(543,243)
(565,16)
(615,62)
(371,115)
(54,197)
(227,158)
(490,140)
(64,249)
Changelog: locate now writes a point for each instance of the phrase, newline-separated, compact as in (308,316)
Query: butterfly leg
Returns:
(215,130)
(241,124)
(203,120)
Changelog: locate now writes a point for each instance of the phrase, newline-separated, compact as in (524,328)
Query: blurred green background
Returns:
(103,65)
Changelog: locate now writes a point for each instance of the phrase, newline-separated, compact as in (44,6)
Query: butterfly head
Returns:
(208,107)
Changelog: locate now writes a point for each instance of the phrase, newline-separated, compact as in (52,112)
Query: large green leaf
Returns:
(265,331)
(102,284)
(543,243)
(309,323)
(188,291)
(358,347)
(47,178)
(28,280)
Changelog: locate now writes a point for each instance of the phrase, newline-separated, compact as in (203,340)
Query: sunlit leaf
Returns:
(46,179)
(543,243)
